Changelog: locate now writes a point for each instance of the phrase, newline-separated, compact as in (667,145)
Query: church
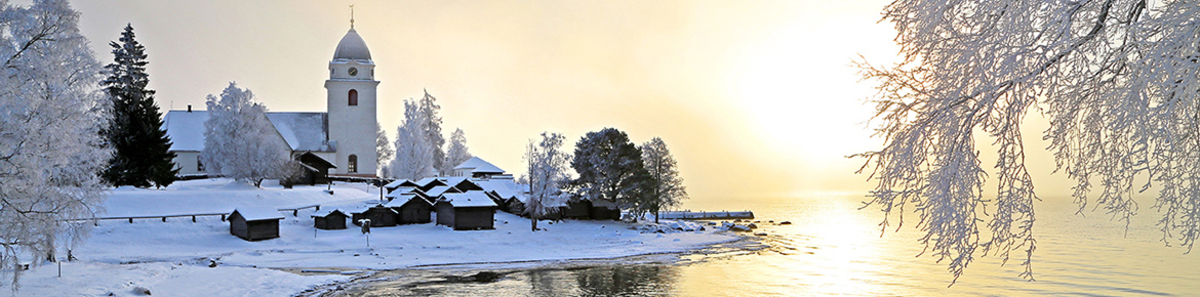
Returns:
(343,137)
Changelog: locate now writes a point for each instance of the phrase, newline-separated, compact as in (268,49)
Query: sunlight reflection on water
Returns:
(832,248)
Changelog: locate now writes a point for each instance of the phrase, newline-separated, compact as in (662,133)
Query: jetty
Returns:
(706,215)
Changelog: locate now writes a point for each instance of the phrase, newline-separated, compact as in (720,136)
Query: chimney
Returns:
(189,108)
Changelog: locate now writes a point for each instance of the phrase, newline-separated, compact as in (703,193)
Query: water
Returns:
(834,249)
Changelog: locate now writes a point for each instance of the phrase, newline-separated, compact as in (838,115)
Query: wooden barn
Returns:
(330,219)
(380,216)
(472,210)
(411,209)
(316,169)
(577,209)
(255,223)
(604,210)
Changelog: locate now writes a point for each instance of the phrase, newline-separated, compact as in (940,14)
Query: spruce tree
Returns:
(140,145)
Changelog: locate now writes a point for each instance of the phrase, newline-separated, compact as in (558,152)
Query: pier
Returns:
(706,215)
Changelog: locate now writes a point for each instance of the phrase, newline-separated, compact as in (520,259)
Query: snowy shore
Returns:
(172,258)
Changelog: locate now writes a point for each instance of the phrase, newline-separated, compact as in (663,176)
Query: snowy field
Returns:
(173,258)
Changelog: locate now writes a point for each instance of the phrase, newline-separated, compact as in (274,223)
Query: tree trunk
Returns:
(656,216)
(532,223)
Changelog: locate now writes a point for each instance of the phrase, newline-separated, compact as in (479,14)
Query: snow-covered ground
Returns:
(173,258)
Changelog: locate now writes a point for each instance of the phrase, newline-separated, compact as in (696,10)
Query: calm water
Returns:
(834,249)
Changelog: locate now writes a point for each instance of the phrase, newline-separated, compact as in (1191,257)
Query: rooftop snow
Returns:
(401,191)
(186,129)
(437,191)
(468,199)
(487,168)
(398,183)
(303,131)
(255,213)
(404,198)
(472,163)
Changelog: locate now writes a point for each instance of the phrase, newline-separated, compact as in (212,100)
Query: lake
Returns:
(832,248)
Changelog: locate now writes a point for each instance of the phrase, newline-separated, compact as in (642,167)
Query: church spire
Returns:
(351,16)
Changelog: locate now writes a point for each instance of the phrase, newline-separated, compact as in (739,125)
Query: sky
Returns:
(753,98)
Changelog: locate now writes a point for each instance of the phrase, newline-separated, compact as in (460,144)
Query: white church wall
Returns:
(186,162)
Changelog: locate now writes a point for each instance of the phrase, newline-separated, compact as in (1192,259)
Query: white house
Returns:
(344,135)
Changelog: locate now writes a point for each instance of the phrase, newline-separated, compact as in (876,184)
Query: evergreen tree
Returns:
(610,168)
(141,146)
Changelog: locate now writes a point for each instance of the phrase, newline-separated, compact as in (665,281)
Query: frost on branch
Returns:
(1116,78)
(51,151)
(414,154)
(239,141)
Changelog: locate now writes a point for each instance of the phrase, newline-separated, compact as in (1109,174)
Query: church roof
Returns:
(186,129)
(352,47)
(303,131)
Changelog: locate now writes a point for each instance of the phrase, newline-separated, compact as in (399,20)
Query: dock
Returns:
(706,215)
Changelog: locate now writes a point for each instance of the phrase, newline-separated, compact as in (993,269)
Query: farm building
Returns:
(577,209)
(411,209)
(604,210)
(255,223)
(466,211)
(329,219)
(380,216)
(400,191)
(437,191)
(428,183)
(462,184)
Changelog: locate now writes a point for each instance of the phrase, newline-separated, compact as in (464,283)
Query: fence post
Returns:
(193,219)
(131,220)
(164,219)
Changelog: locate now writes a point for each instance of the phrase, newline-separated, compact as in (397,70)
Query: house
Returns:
(472,210)
(380,216)
(329,219)
(478,168)
(255,223)
(411,209)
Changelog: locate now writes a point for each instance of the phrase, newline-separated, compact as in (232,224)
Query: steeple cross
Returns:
(351,16)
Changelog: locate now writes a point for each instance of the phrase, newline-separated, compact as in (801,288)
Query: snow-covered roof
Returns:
(468,199)
(398,183)
(254,213)
(303,131)
(352,47)
(472,163)
(186,129)
(405,198)
(487,168)
(326,212)
(426,181)
(401,191)
(439,190)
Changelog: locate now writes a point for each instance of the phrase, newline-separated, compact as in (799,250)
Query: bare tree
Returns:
(51,151)
(664,186)
(1119,82)
(547,176)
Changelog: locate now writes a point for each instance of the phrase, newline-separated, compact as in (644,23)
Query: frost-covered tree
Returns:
(51,150)
(239,141)
(1119,82)
(414,156)
(456,152)
(383,149)
(664,187)
(609,167)
(547,176)
(432,127)
(142,148)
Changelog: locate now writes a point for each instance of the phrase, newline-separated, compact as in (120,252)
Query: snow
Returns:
(487,168)
(437,191)
(255,213)
(171,258)
(468,199)
(398,183)
(402,199)
(472,163)
(401,191)
(303,131)
(186,129)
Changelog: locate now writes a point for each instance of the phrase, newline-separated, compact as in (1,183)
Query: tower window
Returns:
(353,101)
(352,167)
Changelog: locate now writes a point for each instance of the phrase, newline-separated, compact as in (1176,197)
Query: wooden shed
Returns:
(380,216)
(604,210)
(472,210)
(255,223)
(428,183)
(330,219)
(436,192)
(461,183)
(392,186)
(578,209)
(411,209)
(316,169)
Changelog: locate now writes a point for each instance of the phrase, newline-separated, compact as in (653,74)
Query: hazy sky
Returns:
(754,98)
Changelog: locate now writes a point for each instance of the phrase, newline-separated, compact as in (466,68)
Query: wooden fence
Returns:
(96,220)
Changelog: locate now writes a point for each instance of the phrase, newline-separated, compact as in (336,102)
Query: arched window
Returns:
(353,97)
(353,166)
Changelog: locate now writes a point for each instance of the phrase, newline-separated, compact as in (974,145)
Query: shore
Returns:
(173,258)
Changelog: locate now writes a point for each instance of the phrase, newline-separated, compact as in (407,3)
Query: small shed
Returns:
(577,209)
(316,169)
(380,216)
(604,210)
(428,183)
(437,191)
(472,210)
(461,183)
(329,219)
(392,186)
(255,223)
(411,209)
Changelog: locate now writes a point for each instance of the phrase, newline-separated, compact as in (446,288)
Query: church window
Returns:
(353,166)
(353,97)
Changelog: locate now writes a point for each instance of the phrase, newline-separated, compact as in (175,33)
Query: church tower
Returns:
(351,104)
